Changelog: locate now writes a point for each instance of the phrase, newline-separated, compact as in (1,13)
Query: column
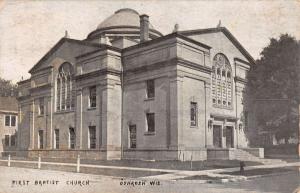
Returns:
(176,137)
(111,119)
(49,129)
(78,118)
(208,140)
(32,140)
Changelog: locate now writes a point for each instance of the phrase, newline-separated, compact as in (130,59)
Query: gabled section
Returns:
(86,47)
(226,32)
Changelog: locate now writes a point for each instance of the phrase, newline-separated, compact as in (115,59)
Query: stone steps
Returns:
(245,156)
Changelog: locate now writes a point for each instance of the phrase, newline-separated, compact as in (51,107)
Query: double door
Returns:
(218,136)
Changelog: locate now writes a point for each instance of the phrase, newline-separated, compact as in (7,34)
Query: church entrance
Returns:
(229,136)
(217,136)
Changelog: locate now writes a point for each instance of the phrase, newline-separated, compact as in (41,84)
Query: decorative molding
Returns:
(98,73)
(241,61)
(96,33)
(170,62)
(169,36)
(240,79)
(43,86)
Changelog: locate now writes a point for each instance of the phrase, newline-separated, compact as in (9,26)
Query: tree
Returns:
(276,76)
(7,88)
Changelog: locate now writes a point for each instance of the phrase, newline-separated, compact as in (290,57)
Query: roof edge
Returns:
(57,45)
(175,34)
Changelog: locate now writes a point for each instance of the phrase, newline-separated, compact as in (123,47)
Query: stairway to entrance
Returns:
(246,156)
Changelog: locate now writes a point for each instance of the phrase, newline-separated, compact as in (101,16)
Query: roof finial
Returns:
(176,28)
(67,34)
(107,41)
(219,24)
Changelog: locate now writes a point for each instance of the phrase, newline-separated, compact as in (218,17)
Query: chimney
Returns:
(144,28)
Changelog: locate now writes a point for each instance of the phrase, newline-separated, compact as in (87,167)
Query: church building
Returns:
(129,92)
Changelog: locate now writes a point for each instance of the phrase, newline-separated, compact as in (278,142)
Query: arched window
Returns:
(221,82)
(65,99)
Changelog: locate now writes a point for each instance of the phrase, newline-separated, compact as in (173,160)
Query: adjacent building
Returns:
(129,92)
(8,125)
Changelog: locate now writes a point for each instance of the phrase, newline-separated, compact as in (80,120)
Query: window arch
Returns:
(221,81)
(65,96)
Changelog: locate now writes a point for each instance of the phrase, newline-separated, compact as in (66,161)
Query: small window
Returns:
(41,106)
(93,97)
(150,122)
(214,101)
(13,140)
(219,101)
(63,94)
(218,71)
(224,103)
(150,89)
(72,138)
(6,140)
(246,119)
(132,136)
(56,138)
(193,114)
(223,73)
(41,139)
(229,103)
(58,94)
(228,75)
(92,136)
(7,120)
(13,121)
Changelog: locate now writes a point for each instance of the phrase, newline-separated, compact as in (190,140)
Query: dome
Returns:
(124,22)
(122,17)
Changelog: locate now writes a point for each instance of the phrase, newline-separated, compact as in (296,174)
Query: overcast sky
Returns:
(28,29)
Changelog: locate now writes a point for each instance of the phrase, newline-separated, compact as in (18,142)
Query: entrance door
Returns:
(229,136)
(132,136)
(217,138)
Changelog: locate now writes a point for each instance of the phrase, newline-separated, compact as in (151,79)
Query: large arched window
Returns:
(221,82)
(65,96)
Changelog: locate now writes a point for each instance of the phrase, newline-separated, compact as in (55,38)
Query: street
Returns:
(14,180)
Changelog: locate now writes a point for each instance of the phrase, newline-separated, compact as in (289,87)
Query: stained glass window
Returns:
(65,95)
(221,82)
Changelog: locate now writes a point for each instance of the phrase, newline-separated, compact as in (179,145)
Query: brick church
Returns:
(129,92)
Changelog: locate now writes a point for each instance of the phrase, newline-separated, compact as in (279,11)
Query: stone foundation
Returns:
(194,154)
(219,153)
(182,155)
(72,154)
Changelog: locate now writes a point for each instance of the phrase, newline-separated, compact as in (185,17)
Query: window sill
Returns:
(64,111)
(149,99)
(91,108)
(149,133)
(223,107)
(194,127)
(40,116)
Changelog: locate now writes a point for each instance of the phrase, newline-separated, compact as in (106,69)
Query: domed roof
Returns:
(125,23)
(122,17)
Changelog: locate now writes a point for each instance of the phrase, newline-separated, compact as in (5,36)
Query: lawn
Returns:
(171,165)
(174,165)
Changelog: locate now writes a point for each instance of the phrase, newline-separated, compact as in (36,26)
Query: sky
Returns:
(28,29)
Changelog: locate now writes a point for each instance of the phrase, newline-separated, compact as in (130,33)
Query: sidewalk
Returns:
(167,174)
(216,172)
